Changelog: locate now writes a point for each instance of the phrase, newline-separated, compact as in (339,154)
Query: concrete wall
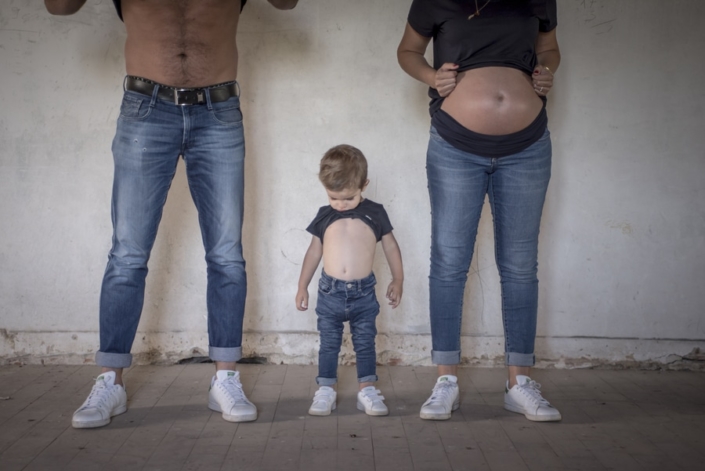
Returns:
(622,256)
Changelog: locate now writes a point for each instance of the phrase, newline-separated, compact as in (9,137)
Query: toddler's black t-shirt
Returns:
(371,213)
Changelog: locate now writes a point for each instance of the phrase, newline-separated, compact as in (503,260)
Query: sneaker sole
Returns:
(99,423)
(321,413)
(533,418)
(361,406)
(233,418)
(426,416)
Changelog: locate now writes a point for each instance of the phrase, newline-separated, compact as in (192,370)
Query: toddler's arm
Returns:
(308,268)
(393,254)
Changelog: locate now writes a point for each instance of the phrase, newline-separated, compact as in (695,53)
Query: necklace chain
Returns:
(478,10)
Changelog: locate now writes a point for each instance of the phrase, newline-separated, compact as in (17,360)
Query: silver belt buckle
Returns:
(176,96)
(200,97)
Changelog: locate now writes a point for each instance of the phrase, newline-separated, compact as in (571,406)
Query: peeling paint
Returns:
(392,349)
(6,336)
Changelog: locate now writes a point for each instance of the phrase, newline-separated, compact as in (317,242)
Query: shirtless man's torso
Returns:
(180,43)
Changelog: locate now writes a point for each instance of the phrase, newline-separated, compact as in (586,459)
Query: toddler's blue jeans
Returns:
(356,302)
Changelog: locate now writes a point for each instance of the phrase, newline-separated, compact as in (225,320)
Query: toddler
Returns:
(345,234)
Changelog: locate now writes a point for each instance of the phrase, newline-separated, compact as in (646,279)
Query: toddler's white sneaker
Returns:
(370,401)
(323,401)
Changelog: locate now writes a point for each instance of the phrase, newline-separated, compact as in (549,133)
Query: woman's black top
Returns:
(503,34)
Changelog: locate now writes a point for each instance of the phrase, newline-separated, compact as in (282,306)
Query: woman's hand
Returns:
(445,79)
(542,79)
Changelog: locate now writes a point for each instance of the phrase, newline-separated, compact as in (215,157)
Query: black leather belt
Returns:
(182,96)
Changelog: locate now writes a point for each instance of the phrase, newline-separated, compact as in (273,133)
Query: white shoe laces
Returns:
(441,393)
(97,397)
(532,389)
(233,390)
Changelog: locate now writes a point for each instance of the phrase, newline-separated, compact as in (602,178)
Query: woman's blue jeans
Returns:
(151,134)
(516,185)
(342,301)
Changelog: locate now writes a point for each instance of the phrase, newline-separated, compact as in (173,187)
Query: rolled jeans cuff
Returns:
(368,379)
(445,358)
(519,359)
(113,360)
(326,381)
(228,354)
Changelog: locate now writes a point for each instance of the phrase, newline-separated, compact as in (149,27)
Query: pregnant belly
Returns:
(493,100)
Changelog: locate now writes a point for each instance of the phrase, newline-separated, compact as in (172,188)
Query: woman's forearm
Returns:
(416,66)
(410,55)
(550,59)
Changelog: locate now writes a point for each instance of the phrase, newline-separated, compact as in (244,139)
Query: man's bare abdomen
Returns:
(182,43)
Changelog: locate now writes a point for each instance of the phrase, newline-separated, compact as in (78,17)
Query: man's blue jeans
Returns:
(516,185)
(151,134)
(355,302)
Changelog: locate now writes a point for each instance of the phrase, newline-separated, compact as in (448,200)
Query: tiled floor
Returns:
(621,420)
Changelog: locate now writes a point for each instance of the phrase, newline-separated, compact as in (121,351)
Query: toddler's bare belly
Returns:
(493,100)
(348,249)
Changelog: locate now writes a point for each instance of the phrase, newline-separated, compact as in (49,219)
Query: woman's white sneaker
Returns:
(106,400)
(370,401)
(226,396)
(445,398)
(323,401)
(525,398)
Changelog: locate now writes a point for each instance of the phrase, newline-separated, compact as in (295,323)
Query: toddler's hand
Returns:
(302,300)
(394,292)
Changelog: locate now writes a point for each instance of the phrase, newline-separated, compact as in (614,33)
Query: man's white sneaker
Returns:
(106,400)
(369,400)
(323,401)
(525,398)
(444,399)
(226,395)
